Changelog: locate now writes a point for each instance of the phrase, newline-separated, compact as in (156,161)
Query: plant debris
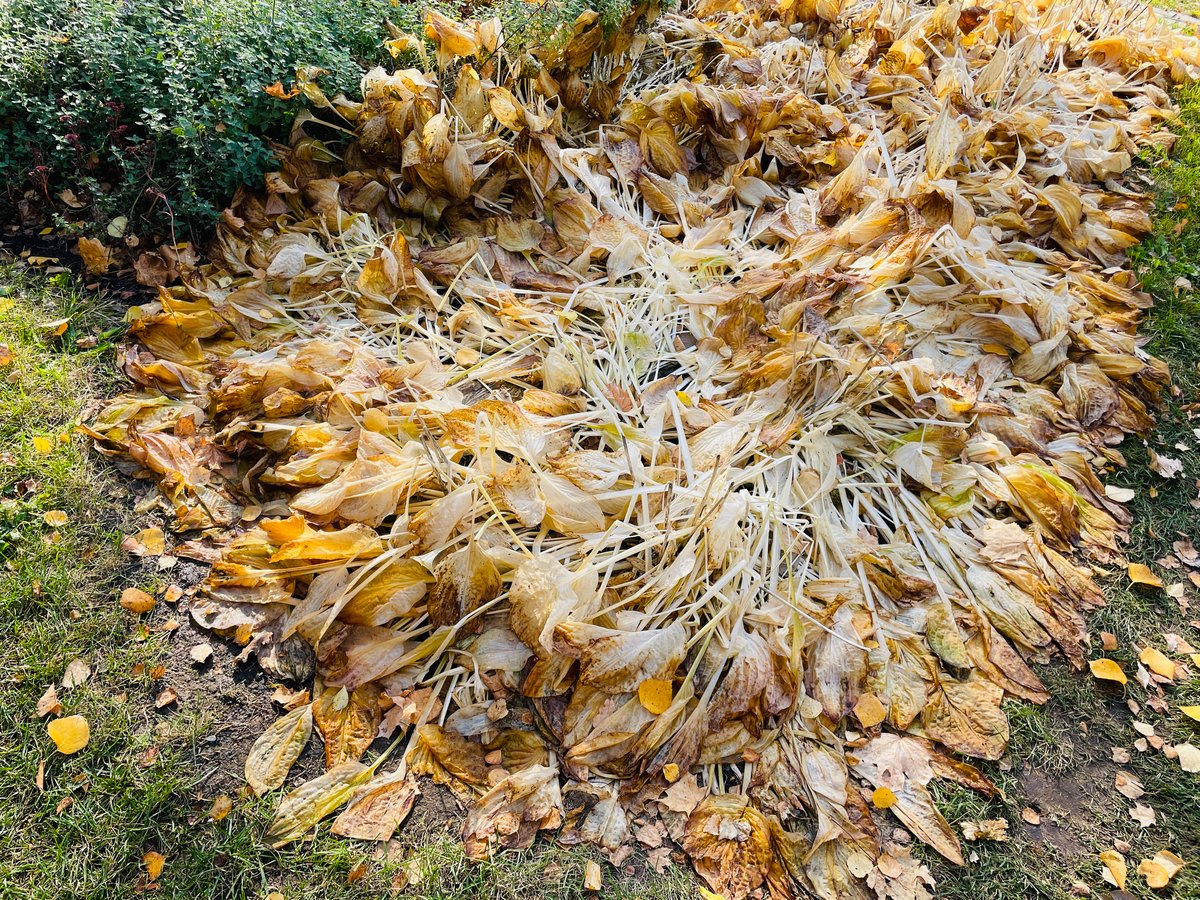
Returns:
(699,421)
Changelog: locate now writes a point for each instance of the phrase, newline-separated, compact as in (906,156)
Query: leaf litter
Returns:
(699,421)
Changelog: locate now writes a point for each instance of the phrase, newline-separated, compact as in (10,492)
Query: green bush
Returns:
(155,110)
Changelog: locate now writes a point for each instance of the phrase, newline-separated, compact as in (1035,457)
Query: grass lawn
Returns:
(80,826)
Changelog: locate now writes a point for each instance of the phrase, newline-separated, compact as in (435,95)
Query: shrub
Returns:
(154,109)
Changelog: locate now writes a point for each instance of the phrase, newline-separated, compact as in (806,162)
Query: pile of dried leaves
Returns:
(698,424)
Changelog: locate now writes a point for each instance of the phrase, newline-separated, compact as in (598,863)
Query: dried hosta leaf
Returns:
(729,843)
(511,813)
(617,661)
(277,749)
(377,809)
(966,717)
(463,581)
(303,808)
(943,143)
(447,757)
(756,427)
(348,722)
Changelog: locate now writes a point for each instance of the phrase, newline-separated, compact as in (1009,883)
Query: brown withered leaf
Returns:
(512,813)
(448,758)
(463,581)
(729,843)
(377,809)
(348,722)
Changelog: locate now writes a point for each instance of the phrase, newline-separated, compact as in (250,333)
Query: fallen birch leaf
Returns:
(1115,871)
(1188,756)
(154,862)
(1107,670)
(1141,574)
(70,733)
(1159,871)
(1157,662)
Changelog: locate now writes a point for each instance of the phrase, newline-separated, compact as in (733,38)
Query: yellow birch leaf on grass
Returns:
(43,445)
(1157,662)
(1192,712)
(1107,670)
(1115,870)
(154,862)
(1140,574)
(1161,869)
(70,734)
(655,695)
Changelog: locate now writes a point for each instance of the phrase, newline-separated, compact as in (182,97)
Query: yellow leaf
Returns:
(1192,712)
(154,864)
(43,445)
(273,754)
(1107,670)
(136,601)
(97,258)
(592,876)
(55,518)
(1161,869)
(1157,662)
(70,733)
(655,695)
(671,772)
(869,710)
(1140,574)
(1117,870)
(375,419)
(883,798)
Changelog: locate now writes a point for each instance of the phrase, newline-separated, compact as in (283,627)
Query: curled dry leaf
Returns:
(1115,868)
(136,600)
(1159,871)
(511,814)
